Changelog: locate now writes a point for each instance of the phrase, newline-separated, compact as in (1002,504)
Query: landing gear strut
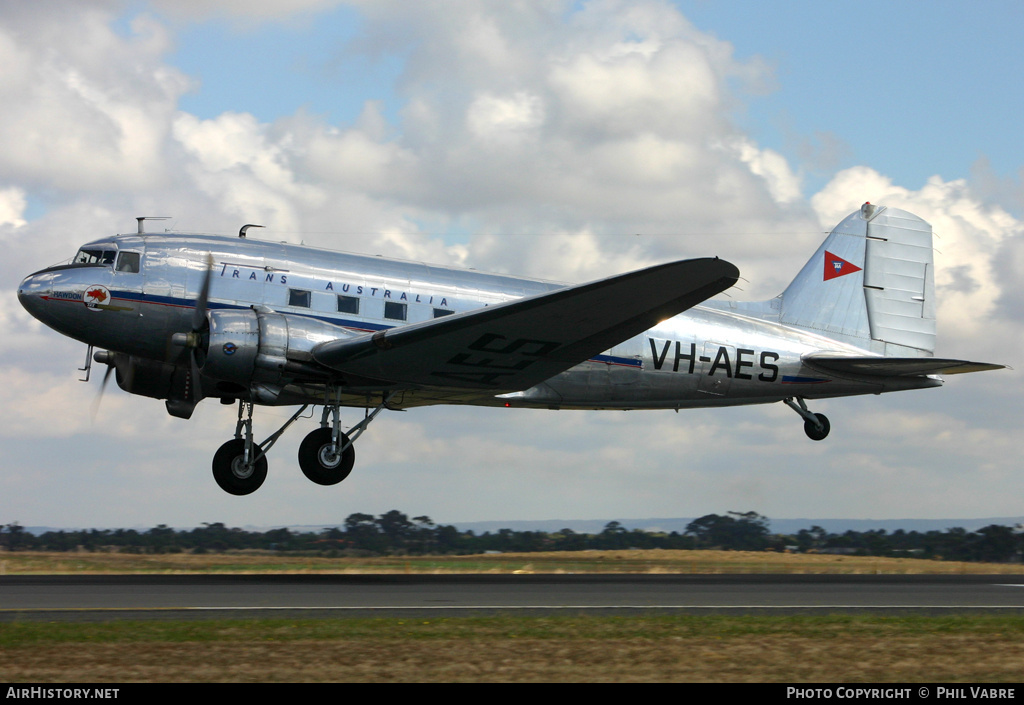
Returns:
(816,426)
(326,455)
(240,465)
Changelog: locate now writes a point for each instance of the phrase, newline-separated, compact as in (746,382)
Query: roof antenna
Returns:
(241,233)
(142,230)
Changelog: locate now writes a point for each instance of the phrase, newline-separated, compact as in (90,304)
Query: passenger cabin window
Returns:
(440,312)
(396,311)
(348,304)
(299,297)
(95,256)
(128,262)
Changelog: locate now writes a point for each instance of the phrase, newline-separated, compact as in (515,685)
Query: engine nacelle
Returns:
(148,378)
(263,347)
(233,345)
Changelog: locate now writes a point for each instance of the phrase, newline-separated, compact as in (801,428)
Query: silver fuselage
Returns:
(716,354)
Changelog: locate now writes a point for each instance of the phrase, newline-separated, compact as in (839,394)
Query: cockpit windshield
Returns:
(95,255)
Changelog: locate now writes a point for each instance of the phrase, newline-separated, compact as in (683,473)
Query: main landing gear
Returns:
(326,455)
(816,426)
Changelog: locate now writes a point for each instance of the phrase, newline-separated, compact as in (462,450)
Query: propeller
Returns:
(199,314)
(105,357)
(193,340)
(111,360)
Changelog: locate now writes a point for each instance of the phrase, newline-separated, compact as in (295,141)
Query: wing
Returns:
(521,343)
(895,366)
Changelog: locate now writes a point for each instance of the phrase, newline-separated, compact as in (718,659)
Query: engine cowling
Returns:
(148,378)
(151,378)
(254,347)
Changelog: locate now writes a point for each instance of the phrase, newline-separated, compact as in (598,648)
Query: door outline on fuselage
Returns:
(715,368)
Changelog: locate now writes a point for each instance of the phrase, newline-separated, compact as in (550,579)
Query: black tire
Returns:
(813,432)
(230,472)
(316,462)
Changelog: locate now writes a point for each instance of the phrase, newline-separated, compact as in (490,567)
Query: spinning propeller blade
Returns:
(199,314)
(194,339)
(113,362)
(99,396)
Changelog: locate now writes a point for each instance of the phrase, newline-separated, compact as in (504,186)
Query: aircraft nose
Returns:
(31,293)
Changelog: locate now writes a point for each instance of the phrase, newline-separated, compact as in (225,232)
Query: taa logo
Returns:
(836,266)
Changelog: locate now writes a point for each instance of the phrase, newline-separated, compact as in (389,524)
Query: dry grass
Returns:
(506,649)
(629,561)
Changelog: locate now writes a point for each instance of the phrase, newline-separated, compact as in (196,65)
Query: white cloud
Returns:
(12,207)
(245,11)
(248,175)
(670,91)
(498,118)
(87,114)
(783,184)
(610,117)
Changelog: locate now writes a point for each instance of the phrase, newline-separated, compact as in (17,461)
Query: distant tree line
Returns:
(394,533)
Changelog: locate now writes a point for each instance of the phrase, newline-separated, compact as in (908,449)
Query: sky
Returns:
(547,138)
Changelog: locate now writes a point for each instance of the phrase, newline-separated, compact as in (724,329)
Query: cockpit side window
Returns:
(128,262)
(92,255)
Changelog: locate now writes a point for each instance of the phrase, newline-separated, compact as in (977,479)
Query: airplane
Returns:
(182,317)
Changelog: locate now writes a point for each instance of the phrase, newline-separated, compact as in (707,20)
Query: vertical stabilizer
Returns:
(871,283)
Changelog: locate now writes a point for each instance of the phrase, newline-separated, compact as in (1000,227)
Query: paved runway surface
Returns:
(189,597)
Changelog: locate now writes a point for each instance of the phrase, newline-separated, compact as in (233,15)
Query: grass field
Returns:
(844,649)
(652,561)
(800,649)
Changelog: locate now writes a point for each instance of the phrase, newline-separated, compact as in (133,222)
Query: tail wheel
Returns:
(231,472)
(813,431)
(322,465)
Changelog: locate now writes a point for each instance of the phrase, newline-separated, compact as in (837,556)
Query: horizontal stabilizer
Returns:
(895,366)
(518,344)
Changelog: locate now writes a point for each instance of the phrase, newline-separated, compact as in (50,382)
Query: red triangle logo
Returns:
(836,266)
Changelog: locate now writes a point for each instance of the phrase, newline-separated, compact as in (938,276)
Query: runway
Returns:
(99,598)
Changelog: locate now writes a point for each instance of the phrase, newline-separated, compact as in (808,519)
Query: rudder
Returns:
(871,283)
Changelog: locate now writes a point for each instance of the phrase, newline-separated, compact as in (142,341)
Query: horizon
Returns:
(632,524)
